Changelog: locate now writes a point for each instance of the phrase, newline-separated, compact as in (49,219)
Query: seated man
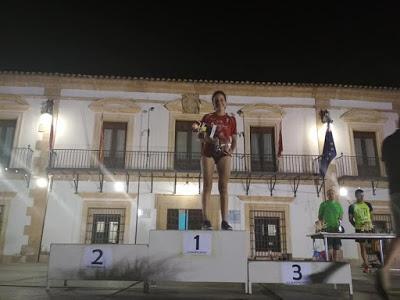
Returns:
(331,213)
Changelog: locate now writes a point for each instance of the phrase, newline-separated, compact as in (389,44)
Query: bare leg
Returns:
(207,164)
(364,254)
(395,244)
(383,275)
(392,253)
(389,259)
(331,255)
(335,255)
(224,172)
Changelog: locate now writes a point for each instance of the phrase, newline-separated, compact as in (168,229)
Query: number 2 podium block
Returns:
(93,262)
(201,256)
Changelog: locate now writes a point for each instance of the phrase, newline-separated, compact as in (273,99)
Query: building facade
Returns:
(92,159)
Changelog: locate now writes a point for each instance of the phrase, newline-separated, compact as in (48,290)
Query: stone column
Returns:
(37,212)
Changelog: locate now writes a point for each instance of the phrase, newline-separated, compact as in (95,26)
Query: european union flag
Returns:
(328,153)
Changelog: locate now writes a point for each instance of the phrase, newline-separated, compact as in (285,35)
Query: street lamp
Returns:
(148,129)
(325,117)
(46,115)
(148,134)
(241,114)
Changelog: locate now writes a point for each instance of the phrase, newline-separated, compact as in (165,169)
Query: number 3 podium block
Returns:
(298,272)
(201,256)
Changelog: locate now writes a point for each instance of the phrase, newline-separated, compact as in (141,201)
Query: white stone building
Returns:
(151,174)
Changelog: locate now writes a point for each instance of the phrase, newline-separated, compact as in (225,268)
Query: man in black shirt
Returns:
(391,157)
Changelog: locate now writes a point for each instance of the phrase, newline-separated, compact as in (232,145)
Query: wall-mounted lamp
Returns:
(46,115)
(343,191)
(41,182)
(188,188)
(119,186)
(325,117)
(241,114)
(148,128)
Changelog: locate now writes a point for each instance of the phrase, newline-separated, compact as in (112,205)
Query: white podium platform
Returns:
(93,262)
(296,272)
(191,256)
(222,257)
(184,256)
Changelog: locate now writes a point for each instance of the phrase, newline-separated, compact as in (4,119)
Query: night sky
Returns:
(331,44)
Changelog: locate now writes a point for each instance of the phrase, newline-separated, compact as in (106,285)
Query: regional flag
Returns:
(328,153)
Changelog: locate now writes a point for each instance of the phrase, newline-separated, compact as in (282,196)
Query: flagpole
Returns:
(329,149)
(323,177)
(101,144)
(280,144)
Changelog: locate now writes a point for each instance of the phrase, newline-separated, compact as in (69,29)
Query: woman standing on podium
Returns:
(217,133)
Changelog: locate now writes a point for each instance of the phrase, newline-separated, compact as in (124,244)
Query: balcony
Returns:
(79,159)
(359,167)
(17,162)
(19,159)
(68,159)
(165,164)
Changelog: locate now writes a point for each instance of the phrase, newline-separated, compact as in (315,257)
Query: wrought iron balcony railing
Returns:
(80,159)
(362,167)
(17,159)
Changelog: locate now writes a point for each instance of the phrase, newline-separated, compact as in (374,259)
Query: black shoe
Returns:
(206,225)
(225,226)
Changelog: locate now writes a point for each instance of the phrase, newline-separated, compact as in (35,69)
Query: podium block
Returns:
(184,256)
(202,256)
(296,272)
(93,262)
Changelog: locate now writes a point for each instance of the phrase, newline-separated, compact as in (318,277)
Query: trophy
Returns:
(208,133)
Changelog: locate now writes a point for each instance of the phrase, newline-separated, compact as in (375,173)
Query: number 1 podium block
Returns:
(201,256)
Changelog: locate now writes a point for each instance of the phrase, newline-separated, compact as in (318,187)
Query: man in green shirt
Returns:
(360,216)
(330,213)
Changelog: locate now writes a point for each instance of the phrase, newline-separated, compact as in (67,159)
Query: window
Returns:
(184,219)
(366,153)
(105,226)
(187,147)
(114,135)
(7,131)
(268,234)
(382,224)
(262,149)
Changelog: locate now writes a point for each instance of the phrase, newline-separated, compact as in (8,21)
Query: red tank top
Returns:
(226,128)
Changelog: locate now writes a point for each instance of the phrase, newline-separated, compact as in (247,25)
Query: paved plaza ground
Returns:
(28,281)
